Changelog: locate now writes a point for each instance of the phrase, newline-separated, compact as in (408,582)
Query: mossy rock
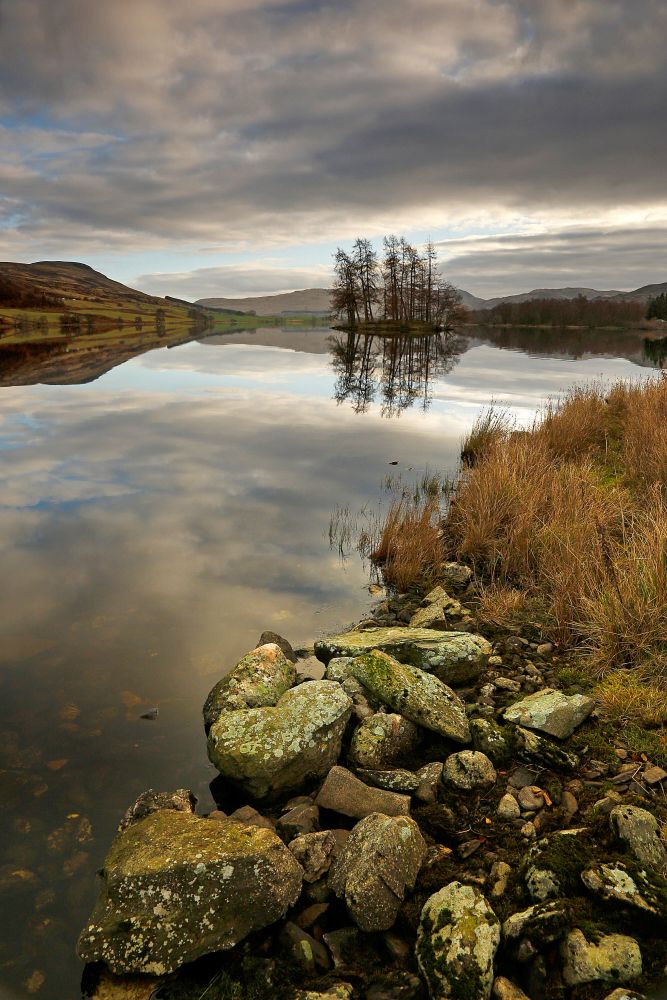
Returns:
(454,657)
(259,679)
(176,887)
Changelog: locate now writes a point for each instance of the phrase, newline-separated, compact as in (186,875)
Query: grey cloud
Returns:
(275,122)
(234,280)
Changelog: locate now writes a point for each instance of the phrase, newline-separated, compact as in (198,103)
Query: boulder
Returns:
(273,637)
(343,793)
(257,680)
(251,817)
(314,852)
(413,693)
(433,616)
(300,819)
(382,857)
(340,669)
(551,712)
(491,739)
(615,958)
(429,777)
(468,769)
(505,989)
(182,800)
(382,740)
(457,940)
(546,922)
(454,657)
(626,885)
(271,750)
(175,887)
(535,749)
(455,576)
(640,832)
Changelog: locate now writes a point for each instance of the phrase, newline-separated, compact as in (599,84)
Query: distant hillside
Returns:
(644,293)
(53,282)
(308,300)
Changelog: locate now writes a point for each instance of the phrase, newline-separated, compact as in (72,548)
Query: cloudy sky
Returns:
(227,146)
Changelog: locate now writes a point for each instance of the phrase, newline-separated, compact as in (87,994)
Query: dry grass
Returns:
(491,426)
(408,545)
(630,699)
(504,607)
(573,514)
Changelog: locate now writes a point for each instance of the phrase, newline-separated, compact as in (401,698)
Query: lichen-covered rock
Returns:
(535,749)
(433,616)
(639,830)
(337,991)
(314,852)
(340,669)
(626,884)
(490,738)
(182,800)
(398,780)
(381,858)
(411,692)
(344,793)
(175,887)
(455,576)
(268,751)
(551,712)
(553,865)
(382,740)
(468,769)
(430,776)
(545,922)
(259,679)
(457,940)
(505,989)
(454,657)
(615,958)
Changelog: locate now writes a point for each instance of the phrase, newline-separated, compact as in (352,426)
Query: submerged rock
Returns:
(382,857)
(182,800)
(457,940)
(551,712)
(175,887)
(344,793)
(615,958)
(260,678)
(268,751)
(454,657)
(413,693)
(383,739)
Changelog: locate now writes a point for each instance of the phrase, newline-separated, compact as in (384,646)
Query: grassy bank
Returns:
(565,526)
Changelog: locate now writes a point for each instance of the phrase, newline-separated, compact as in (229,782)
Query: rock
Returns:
(542,884)
(654,775)
(528,830)
(639,830)
(433,616)
(259,679)
(499,878)
(342,792)
(507,684)
(311,915)
(469,769)
(302,819)
(436,596)
(489,738)
(429,777)
(337,991)
(617,882)
(508,808)
(396,984)
(382,740)
(505,989)
(352,952)
(551,712)
(267,638)
(533,748)
(340,669)
(615,958)
(382,858)
(411,692)
(250,817)
(272,750)
(310,954)
(456,943)
(110,987)
(545,921)
(314,852)
(622,994)
(454,657)
(182,800)
(531,798)
(175,887)
(455,576)
(399,780)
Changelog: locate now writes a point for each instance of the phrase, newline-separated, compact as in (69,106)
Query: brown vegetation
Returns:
(579,311)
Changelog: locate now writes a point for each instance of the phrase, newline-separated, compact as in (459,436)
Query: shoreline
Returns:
(340,909)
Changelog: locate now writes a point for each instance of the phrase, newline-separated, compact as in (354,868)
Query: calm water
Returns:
(155,520)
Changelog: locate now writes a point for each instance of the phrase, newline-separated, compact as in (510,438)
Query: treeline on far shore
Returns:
(561,312)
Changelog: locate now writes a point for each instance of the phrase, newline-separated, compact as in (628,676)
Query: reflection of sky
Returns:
(152,524)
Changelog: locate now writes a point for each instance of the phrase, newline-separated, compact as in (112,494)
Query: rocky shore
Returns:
(415,811)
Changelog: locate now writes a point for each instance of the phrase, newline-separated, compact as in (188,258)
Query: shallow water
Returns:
(155,520)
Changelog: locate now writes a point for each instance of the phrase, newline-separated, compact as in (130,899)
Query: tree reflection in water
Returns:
(398,367)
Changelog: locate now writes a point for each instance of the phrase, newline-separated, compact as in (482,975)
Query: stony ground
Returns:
(422,809)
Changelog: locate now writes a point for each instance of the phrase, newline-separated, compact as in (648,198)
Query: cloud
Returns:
(149,124)
(235,280)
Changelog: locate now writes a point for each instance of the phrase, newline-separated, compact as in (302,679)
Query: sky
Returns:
(226,147)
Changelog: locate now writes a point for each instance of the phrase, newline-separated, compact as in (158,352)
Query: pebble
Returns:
(508,808)
(531,797)
(528,831)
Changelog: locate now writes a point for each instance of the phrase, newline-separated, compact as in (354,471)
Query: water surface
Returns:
(158,511)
